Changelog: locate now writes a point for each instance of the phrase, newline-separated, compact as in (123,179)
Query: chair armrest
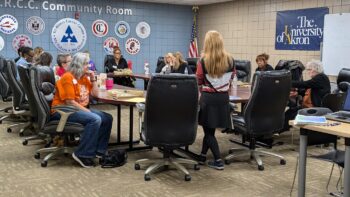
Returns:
(233,106)
(65,111)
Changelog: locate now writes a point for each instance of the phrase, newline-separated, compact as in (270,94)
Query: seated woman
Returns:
(180,66)
(312,90)
(45,59)
(118,62)
(169,61)
(63,60)
(261,60)
(74,89)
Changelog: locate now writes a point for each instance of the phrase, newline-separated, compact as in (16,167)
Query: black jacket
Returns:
(111,65)
(320,86)
(182,68)
(267,68)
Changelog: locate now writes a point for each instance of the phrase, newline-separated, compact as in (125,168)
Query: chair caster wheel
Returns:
(137,166)
(227,162)
(43,164)
(37,156)
(9,130)
(25,142)
(196,167)
(47,145)
(283,162)
(230,151)
(0,121)
(261,168)
(187,177)
(21,134)
(147,177)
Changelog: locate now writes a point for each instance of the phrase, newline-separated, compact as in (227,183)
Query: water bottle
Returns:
(234,84)
(146,67)
(186,71)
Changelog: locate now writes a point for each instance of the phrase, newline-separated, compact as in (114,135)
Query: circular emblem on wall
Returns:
(21,40)
(2,43)
(143,30)
(99,28)
(109,44)
(8,24)
(68,35)
(35,25)
(122,29)
(132,46)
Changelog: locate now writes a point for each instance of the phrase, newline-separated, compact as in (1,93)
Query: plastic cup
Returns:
(109,84)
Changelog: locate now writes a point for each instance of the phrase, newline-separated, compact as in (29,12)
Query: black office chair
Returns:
(263,115)
(160,64)
(170,120)
(5,90)
(344,75)
(20,105)
(38,77)
(107,58)
(192,63)
(25,79)
(243,68)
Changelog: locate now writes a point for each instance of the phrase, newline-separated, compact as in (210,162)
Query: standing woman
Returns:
(214,73)
(118,62)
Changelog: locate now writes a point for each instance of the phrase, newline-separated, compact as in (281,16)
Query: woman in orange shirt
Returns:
(74,88)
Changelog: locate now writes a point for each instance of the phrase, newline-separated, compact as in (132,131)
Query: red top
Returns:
(60,71)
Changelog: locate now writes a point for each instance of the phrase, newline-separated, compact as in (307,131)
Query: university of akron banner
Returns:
(300,29)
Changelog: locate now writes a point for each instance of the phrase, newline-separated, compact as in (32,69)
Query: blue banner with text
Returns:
(300,29)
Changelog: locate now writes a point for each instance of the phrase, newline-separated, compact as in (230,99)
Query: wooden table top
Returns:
(342,130)
(241,95)
(105,97)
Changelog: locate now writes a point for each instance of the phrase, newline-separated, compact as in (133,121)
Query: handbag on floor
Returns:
(114,158)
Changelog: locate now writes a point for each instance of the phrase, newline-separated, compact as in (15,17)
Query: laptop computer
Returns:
(343,115)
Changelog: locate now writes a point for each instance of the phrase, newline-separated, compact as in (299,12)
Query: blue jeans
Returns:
(97,130)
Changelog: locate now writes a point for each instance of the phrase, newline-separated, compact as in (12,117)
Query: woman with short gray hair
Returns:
(312,90)
(74,88)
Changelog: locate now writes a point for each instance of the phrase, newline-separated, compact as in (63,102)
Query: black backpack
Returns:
(114,158)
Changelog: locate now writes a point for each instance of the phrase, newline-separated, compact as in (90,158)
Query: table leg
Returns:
(145,84)
(302,163)
(131,126)
(118,124)
(347,168)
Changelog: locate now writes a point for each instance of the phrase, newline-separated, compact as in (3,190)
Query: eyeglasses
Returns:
(117,53)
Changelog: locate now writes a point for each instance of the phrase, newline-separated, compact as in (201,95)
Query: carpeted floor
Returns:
(21,174)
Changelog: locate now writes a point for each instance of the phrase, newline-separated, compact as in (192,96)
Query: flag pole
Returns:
(195,10)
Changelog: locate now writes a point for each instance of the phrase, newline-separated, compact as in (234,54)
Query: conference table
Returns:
(105,97)
(144,77)
(240,95)
(341,130)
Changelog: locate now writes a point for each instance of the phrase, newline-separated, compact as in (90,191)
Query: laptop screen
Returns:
(347,101)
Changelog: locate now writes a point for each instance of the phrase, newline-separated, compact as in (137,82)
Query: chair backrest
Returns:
(344,75)
(5,89)
(294,66)
(171,110)
(334,101)
(160,64)
(107,58)
(264,112)
(25,79)
(18,97)
(39,76)
(243,68)
(192,63)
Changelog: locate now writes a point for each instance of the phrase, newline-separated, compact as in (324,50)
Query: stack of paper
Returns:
(316,120)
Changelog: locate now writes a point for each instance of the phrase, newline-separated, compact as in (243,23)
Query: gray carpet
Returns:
(21,174)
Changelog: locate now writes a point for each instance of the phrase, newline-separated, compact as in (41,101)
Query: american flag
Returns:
(193,51)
